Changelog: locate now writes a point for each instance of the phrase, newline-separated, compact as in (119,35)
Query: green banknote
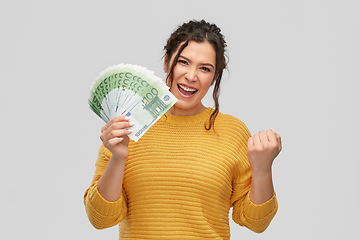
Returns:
(132,91)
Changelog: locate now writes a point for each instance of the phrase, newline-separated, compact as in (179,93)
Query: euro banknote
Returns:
(132,91)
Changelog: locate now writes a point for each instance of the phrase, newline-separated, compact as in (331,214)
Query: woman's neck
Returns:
(186,112)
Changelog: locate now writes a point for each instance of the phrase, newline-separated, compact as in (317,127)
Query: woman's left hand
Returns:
(262,150)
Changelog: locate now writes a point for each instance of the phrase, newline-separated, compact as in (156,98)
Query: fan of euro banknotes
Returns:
(132,91)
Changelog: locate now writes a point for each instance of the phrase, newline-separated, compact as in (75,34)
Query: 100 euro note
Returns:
(131,91)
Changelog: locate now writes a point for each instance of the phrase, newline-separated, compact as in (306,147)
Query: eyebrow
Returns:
(202,64)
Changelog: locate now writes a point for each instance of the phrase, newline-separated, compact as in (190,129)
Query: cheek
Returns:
(178,71)
(174,77)
(207,81)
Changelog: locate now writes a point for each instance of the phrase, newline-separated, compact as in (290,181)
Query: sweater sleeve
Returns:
(102,213)
(256,217)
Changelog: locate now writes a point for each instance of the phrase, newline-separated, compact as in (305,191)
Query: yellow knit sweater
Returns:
(181,181)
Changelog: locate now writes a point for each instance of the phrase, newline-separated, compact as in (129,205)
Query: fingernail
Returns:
(127,118)
(121,139)
(272,129)
(129,131)
(131,124)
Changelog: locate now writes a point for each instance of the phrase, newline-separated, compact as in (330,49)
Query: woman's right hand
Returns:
(114,136)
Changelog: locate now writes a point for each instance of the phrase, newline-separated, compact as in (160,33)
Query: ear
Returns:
(166,68)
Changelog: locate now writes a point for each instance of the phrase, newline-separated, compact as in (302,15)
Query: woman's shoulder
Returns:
(231,124)
(223,117)
(228,117)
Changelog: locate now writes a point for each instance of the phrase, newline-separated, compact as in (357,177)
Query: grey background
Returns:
(293,67)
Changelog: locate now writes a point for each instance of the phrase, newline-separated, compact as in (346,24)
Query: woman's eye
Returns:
(183,62)
(205,69)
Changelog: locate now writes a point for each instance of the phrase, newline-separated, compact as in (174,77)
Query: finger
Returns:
(121,118)
(250,142)
(118,126)
(277,136)
(256,139)
(115,120)
(275,139)
(118,133)
(278,139)
(121,125)
(263,137)
(271,135)
(115,137)
(114,141)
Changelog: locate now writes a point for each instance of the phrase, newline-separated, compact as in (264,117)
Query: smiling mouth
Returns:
(186,90)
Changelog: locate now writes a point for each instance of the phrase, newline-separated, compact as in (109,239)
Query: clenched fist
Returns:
(262,150)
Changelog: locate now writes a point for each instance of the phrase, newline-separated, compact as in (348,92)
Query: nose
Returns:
(191,76)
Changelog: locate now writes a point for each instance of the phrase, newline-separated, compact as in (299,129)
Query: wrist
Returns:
(261,177)
(262,172)
(262,188)
(118,159)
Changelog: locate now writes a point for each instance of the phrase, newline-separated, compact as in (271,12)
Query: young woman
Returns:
(181,178)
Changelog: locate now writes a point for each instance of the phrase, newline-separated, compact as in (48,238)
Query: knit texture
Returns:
(181,181)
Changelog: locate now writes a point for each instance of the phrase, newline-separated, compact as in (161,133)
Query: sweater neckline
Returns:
(183,120)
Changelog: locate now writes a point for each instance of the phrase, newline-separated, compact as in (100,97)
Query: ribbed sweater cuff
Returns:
(260,211)
(102,206)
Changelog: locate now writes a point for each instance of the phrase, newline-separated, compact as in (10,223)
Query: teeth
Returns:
(187,89)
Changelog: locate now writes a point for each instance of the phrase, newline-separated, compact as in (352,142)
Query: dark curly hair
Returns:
(198,31)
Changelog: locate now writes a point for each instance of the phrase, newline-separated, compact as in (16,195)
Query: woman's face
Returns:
(193,75)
